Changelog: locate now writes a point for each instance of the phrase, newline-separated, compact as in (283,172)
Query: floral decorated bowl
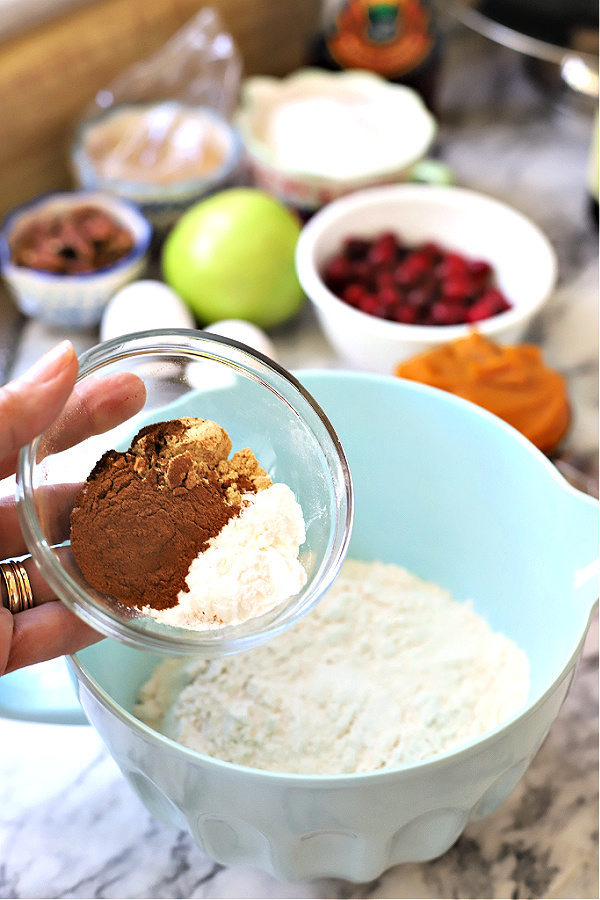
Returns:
(314,136)
(72,300)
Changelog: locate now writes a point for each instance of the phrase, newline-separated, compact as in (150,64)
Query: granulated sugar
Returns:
(387,669)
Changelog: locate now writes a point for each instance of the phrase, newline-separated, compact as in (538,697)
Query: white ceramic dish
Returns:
(73,301)
(458,219)
(317,135)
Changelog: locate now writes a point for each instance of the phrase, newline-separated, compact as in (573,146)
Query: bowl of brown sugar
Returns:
(163,156)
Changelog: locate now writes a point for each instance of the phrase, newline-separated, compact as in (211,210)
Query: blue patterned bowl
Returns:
(73,301)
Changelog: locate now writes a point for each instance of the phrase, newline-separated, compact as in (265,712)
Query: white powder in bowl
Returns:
(250,567)
(387,669)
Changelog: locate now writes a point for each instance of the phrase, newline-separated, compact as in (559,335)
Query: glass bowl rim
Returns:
(179,641)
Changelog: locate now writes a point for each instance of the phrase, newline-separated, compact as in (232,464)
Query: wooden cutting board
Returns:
(49,74)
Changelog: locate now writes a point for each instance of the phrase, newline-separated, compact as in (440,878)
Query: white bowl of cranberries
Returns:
(393,271)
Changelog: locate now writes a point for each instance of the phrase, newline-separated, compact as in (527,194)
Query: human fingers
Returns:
(40,634)
(41,592)
(54,503)
(96,404)
(6,628)
(29,404)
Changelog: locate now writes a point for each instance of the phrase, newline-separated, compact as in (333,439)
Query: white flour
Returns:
(250,567)
(387,669)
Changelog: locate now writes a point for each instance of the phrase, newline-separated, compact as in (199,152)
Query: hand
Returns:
(47,395)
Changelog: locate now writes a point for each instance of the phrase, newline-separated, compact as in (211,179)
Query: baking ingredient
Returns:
(511,381)
(398,39)
(144,305)
(72,241)
(232,256)
(338,136)
(250,567)
(416,285)
(387,669)
(144,515)
(157,143)
(315,133)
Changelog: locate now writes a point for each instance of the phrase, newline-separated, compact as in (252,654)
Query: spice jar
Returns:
(399,40)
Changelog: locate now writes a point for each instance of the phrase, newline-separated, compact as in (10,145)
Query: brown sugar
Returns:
(144,514)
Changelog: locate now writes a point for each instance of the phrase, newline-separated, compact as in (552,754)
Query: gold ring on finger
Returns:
(19,595)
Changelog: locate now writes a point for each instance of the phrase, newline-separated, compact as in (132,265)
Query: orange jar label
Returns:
(390,39)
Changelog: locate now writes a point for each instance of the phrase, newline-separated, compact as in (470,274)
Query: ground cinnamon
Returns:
(143,515)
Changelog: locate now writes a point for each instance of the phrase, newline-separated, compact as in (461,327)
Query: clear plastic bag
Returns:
(200,66)
(161,133)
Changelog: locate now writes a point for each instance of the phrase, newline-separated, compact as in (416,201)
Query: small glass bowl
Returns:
(162,203)
(261,406)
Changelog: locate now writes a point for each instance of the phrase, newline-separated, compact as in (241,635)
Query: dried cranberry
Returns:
(361,271)
(489,304)
(356,248)
(418,297)
(387,296)
(413,268)
(408,315)
(433,251)
(442,313)
(382,251)
(354,294)
(479,269)
(425,284)
(369,304)
(385,279)
(337,269)
(452,266)
(457,289)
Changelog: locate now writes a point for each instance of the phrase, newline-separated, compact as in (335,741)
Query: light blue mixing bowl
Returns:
(458,497)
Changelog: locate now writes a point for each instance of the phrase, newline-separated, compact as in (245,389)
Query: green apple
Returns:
(231,256)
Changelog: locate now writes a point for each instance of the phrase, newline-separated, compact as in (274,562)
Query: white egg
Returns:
(245,333)
(144,305)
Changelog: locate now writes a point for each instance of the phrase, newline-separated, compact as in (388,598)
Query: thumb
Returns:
(30,404)
(6,632)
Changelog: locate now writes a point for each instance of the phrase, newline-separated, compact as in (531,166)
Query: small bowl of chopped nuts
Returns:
(64,255)
(394,271)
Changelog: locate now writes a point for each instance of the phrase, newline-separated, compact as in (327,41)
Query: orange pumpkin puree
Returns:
(513,382)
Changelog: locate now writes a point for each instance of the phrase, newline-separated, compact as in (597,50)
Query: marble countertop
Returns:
(69,824)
